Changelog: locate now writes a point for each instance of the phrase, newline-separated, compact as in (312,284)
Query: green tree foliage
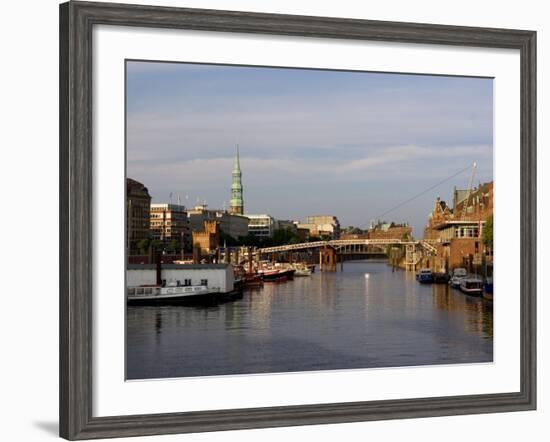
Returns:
(487,234)
(280,237)
(156,245)
(285,236)
(143,246)
(173,247)
(351,230)
(314,238)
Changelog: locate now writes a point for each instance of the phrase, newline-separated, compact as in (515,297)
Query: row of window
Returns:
(186,282)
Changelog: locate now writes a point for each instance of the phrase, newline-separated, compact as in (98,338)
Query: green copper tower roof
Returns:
(236,205)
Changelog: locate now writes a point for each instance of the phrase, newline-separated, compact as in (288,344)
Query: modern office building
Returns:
(262,225)
(169,223)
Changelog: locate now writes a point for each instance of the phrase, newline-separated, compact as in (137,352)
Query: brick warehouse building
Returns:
(457,232)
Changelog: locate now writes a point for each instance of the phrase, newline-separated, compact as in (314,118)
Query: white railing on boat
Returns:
(181,290)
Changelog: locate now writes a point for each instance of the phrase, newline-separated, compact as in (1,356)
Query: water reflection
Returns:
(326,321)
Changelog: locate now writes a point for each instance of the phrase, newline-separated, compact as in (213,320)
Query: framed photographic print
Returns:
(272,220)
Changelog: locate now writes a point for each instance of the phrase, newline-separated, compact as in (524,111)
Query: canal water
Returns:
(366,316)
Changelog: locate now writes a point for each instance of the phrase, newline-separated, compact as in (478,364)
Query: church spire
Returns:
(236,205)
(236,162)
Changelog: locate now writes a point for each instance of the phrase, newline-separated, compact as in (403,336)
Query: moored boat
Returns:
(302,272)
(425,276)
(150,295)
(253,280)
(458,275)
(277,275)
(488,289)
(471,286)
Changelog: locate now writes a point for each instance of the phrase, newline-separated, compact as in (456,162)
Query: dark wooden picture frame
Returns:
(76,164)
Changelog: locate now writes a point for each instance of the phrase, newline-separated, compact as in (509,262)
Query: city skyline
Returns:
(352,144)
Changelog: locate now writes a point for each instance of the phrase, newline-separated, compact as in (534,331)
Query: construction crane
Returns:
(468,192)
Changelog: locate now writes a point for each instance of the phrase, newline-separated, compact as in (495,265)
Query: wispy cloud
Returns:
(310,140)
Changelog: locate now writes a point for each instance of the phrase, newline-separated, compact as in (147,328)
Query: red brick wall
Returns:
(391,233)
(462,248)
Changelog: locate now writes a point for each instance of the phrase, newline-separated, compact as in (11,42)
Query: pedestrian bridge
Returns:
(343,244)
(330,251)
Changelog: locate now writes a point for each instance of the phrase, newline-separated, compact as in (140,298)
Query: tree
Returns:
(143,246)
(156,245)
(487,234)
(173,246)
(285,236)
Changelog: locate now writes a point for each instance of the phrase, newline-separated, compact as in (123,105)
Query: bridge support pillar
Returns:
(328,259)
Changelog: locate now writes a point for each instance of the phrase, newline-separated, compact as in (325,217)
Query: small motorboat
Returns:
(425,276)
(471,286)
(302,270)
(458,275)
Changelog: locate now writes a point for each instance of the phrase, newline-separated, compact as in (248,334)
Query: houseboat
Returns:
(174,294)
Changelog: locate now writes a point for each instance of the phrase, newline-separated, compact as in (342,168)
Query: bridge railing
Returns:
(334,243)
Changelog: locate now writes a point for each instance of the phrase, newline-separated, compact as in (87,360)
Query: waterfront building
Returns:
(324,226)
(208,239)
(169,223)
(231,224)
(384,230)
(215,276)
(457,232)
(138,203)
(262,225)
(287,225)
(236,204)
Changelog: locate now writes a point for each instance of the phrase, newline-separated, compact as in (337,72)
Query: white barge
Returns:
(180,284)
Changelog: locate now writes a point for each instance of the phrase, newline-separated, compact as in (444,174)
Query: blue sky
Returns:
(353,144)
